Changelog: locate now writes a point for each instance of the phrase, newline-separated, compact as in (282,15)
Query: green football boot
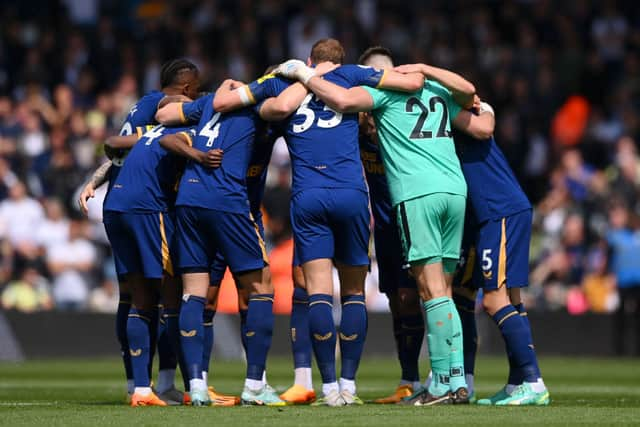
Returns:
(500,395)
(266,396)
(200,398)
(524,395)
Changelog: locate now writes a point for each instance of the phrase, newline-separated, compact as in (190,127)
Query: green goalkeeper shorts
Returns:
(431,229)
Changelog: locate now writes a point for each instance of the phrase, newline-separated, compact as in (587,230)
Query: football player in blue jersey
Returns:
(179,78)
(138,220)
(393,279)
(496,260)
(214,216)
(256,179)
(273,110)
(329,207)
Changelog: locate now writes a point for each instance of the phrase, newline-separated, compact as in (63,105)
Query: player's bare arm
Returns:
(481,125)
(340,99)
(231,95)
(409,82)
(237,95)
(170,110)
(282,106)
(180,144)
(122,141)
(98,178)
(171,114)
(462,90)
(336,97)
(173,98)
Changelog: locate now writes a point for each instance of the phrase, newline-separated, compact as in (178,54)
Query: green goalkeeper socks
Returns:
(437,312)
(456,356)
(445,346)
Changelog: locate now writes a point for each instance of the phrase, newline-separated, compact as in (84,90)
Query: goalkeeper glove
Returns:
(296,69)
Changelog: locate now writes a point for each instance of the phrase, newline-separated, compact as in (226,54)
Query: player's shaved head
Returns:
(327,50)
(377,56)
(176,71)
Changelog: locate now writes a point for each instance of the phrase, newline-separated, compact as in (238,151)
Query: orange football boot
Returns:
(186,399)
(148,400)
(218,399)
(401,392)
(298,395)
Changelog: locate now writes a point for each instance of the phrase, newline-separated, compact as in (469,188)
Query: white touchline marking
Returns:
(28,403)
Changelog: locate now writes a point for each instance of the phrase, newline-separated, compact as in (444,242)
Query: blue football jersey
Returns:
(493,190)
(258,166)
(147,180)
(143,113)
(376,181)
(323,143)
(223,188)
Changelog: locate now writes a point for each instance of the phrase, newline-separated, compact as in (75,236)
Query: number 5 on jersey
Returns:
(211,130)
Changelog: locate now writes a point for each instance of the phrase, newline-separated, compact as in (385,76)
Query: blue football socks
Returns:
(300,335)
(259,330)
(192,334)
(138,334)
(323,335)
(353,331)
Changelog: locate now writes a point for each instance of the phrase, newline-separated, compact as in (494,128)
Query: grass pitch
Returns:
(91,393)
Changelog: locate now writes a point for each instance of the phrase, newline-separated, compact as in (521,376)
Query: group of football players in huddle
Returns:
(372,151)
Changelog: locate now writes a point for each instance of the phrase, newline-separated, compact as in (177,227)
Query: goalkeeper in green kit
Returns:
(428,191)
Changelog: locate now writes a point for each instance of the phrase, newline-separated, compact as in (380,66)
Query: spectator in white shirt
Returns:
(20,216)
(70,262)
(55,227)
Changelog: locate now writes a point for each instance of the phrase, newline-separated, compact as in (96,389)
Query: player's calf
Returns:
(192,332)
(302,390)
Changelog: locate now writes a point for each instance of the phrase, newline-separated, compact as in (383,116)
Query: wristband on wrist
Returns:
(485,107)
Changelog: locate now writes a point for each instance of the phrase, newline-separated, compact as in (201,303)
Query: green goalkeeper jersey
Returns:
(416,142)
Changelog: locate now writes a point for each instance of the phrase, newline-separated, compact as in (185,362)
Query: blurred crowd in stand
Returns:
(563,77)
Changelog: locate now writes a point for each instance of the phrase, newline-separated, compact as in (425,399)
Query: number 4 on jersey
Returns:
(211,130)
(152,134)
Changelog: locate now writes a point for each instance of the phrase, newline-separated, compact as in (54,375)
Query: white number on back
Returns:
(152,134)
(310,117)
(126,129)
(211,130)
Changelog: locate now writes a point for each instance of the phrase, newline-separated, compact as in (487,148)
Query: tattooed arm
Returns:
(99,177)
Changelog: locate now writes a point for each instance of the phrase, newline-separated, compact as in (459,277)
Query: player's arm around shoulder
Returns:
(394,80)
(182,145)
(340,99)
(480,125)
(122,141)
(170,110)
(336,97)
(282,106)
(171,114)
(461,89)
(232,95)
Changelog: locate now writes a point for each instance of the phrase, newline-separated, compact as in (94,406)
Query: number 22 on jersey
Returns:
(418,132)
